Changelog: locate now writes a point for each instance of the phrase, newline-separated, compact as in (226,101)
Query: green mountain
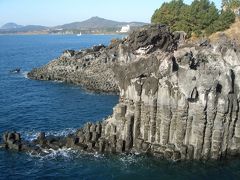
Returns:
(98,23)
(94,24)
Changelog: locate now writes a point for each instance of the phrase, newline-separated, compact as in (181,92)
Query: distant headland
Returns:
(94,25)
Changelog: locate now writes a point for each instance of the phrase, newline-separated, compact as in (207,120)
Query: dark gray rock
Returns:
(98,47)
(159,155)
(157,35)
(88,136)
(176,156)
(168,154)
(12,141)
(138,144)
(190,151)
(95,136)
(91,145)
(145,146)
(120,146)
(71,141)
(102,145)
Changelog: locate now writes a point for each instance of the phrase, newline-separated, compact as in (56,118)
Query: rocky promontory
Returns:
(92,68)
(89,68)
(177,101)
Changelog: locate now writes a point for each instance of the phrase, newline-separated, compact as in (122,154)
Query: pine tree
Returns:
(224,21)
(200,18)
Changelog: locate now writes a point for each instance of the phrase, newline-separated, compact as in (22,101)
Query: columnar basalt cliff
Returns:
(187,100)
(177,103)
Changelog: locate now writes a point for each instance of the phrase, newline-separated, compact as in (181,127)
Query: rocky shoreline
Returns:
(88,68)
(177,101)
(93,68)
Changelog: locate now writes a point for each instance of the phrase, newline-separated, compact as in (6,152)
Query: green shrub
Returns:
(201,18)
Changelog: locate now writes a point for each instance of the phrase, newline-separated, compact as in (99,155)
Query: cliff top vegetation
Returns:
(200,18)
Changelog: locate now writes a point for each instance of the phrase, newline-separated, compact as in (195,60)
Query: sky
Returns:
(57,12)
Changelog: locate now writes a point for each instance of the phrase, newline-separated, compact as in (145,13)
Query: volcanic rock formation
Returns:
(92,68)
(175,102)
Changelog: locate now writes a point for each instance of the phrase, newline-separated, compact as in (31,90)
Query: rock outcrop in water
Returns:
(89,68)
(175,102)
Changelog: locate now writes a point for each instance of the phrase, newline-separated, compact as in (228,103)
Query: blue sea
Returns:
(30,106)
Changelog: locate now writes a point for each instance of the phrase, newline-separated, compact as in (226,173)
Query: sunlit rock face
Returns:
(180,104)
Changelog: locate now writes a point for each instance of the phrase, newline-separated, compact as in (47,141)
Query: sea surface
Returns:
(30,106)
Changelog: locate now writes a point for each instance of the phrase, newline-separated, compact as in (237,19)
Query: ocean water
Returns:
(29,107)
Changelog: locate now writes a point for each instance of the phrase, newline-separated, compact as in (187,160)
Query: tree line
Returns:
(200,18)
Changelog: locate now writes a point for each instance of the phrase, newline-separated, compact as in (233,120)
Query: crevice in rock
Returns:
(137,114)
(194,96)
(175,66)
(205,122)
(232,80)
(219,88)
(153,114)
(193,63)
(204,131)
(170,122)
(236,119)
(211,126)
(227,126)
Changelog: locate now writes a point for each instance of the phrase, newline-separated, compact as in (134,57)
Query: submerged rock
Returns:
(12,141)
(16,70)
(179,103)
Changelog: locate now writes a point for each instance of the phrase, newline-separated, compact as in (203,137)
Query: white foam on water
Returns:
(58,81)
(24,74)
(33,134)
(64,152)
(64,132)
(51,154)
(129,159)
(97,155)
(29,135)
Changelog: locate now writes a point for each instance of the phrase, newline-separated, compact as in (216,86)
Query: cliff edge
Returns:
(177,101)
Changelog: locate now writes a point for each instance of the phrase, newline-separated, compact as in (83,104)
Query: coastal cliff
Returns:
(177,101)
(92,68)
(186,102)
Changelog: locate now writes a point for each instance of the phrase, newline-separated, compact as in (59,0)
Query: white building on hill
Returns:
(125,29)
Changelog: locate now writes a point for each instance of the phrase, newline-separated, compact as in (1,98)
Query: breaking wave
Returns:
(24,74)
(51,154)
(31,135)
